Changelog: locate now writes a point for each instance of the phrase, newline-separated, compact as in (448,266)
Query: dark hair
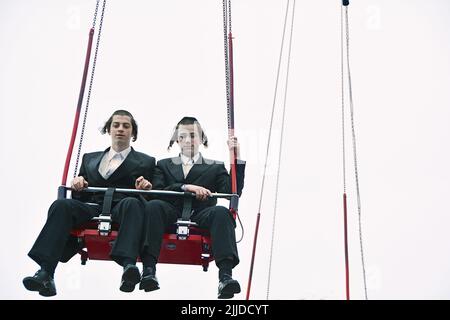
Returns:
(188,121)
(107,127)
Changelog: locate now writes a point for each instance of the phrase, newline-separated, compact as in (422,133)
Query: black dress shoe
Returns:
(130,278)
(149,282)
(228,287)
(42,282)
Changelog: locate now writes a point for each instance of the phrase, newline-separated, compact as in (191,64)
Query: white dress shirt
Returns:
(111,161)
(187,163)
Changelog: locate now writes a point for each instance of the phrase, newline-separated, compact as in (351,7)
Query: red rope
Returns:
(77,112)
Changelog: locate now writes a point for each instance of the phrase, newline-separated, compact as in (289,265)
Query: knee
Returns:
(222,214)
(131,202)
(61,208)
(62,204)
(131,207)
(154,206)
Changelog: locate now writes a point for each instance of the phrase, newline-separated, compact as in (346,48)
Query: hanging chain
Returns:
(90,87)
(227,61)
(226,29)
(269,139)
(229,16)
(270,129)
(95,14)
(354,150)
(343,105)
(281,144)
(273,110)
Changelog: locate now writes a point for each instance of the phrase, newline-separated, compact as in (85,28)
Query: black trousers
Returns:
(65,214)
(217,220)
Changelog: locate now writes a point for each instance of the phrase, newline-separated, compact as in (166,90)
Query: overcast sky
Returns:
(162,60)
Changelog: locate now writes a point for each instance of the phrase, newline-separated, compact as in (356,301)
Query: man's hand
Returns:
(79,183)
(234,144)
(200,192)
(142,184)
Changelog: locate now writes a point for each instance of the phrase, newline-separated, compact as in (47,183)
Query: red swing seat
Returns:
(195,250)
(183,242)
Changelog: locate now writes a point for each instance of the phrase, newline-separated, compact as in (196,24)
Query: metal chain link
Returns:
(227,61)
(88,98)
(95,14)
(229,16)
(344,165)
(354,150)
(280,152)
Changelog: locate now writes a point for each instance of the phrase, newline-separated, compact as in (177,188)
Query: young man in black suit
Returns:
(119,166)
(193,173)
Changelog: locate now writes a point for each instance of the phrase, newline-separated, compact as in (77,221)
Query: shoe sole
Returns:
(149,285)
(47,293)
(130,278)
(230,290)
(31,284)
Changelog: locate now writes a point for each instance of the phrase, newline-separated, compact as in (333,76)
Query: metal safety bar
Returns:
(156,192)
(183,224)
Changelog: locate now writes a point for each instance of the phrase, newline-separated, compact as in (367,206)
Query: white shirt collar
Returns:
(123,154)
(185,160)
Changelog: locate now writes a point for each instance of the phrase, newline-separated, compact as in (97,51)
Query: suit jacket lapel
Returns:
(126,167)
(175,169)
(94,164)
(199,168)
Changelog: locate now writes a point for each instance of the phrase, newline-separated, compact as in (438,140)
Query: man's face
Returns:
(121,130)
(189,139)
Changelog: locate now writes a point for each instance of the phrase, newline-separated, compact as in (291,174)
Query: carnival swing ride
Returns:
(184,242)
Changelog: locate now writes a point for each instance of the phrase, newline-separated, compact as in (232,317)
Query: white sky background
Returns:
(162,60)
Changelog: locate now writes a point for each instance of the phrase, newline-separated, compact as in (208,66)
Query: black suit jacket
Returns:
(210,174)
(135,165)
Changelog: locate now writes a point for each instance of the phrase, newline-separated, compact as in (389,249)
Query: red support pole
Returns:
(255,239)
(78,110)
(231,120)
(347,272)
